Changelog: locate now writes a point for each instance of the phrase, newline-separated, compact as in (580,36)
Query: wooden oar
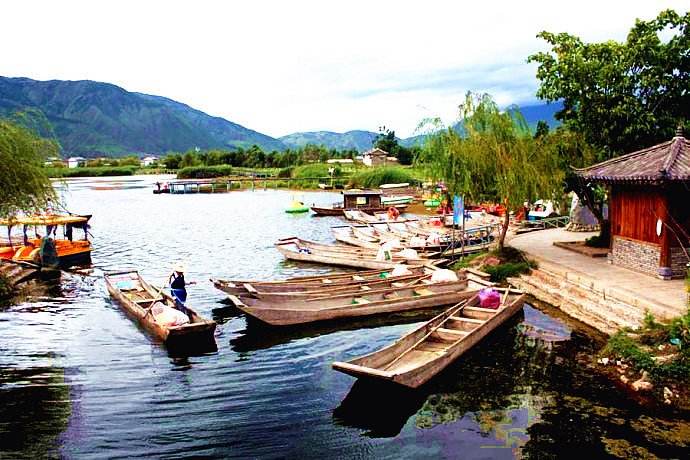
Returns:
(457,308)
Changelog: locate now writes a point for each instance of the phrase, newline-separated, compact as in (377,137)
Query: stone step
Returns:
(571,308)
(627,313)
(628,299)
(605,314)
(659,310)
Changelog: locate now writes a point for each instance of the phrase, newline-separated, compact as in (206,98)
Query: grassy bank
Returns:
(652,361)
(374,177)
(99,171)
(500,265)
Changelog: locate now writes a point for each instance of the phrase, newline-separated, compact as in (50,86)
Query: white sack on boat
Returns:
(409,254)
(417,242)
(400,270)
(168,316)
(443,276)
(433,239)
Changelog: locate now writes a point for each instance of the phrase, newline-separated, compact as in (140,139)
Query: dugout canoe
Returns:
(346,234)
(301,284)
(136,297)
(300,250)
(282,292)
(394,300)
(419,355)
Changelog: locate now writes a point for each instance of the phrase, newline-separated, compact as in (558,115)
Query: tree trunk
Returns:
(504,230)
(586,195)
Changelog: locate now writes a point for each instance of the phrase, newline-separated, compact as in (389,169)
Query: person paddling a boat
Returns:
(178,287)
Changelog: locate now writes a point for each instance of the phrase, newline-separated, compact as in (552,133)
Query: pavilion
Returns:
(649,207)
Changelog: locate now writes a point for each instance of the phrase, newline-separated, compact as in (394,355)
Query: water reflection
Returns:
(526,390)
(257,335)
(381,409)
(34,410)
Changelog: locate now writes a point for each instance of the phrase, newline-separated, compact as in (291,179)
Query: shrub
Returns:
(499,273)
(286,172)
(596,241)
(311,170)
(374,177)
(204,172)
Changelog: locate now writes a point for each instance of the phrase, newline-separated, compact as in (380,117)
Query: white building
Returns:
(377,157)
(148,160)
(344,161)
(75,162)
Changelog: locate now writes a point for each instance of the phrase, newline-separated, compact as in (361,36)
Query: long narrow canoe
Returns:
(418,356)
(346,234)
(281,291)
(304,283)
(330,248)
(412,288)
(136,297)
(297,249)
(350,306)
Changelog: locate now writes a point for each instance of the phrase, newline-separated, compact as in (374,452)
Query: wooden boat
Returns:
(315,283)
(419,355)
(346,234)
(48,249)
(331,307)
(391,200)
(248,289)
(301,250)
(363,200)
(137,297)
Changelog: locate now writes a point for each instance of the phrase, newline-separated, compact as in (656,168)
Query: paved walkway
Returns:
(670,296)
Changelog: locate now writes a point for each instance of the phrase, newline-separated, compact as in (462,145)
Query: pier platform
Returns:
(602,295)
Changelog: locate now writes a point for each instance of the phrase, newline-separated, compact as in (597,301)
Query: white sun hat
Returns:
(179,267)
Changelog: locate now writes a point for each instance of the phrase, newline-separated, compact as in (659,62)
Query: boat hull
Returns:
(199,332)
(374,365)
(295,316)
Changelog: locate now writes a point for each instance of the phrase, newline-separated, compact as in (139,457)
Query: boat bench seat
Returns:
(467,320)
(157,299)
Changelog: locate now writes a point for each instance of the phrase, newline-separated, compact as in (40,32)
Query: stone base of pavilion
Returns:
(592,290)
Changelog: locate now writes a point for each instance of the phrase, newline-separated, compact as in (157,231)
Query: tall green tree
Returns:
(24,183)
(492,156)
(621,96)
(386,140)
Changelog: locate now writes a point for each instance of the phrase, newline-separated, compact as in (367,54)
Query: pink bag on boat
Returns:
(489,298)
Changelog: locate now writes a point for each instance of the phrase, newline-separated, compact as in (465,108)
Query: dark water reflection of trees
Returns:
(539,398)
(34,410)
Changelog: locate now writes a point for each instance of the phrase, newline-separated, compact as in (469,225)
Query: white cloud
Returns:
(285,66)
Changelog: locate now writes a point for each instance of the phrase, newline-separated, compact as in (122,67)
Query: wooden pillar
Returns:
(665,241)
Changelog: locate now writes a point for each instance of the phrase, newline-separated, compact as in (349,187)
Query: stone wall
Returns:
(635,255)
(678,262)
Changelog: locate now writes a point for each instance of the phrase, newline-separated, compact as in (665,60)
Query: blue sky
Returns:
(284,66)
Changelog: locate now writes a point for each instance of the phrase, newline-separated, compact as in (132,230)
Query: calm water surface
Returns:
(78,379)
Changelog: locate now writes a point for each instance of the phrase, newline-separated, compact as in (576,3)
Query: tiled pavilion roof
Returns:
(669,161)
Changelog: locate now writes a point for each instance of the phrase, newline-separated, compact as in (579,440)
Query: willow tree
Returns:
(490,155)
(23,180)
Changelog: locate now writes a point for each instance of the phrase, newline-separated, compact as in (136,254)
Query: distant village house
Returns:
(378,157)
(75,162)
(148,160)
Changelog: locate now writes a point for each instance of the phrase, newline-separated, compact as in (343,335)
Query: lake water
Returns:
(78,379)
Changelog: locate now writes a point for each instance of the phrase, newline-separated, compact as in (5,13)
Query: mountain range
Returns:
(92,119)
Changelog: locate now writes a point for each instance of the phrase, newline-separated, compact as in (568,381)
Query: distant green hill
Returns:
(90,118)
(363,140)
(359,140)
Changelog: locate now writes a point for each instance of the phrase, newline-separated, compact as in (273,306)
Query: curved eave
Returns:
(639,180)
